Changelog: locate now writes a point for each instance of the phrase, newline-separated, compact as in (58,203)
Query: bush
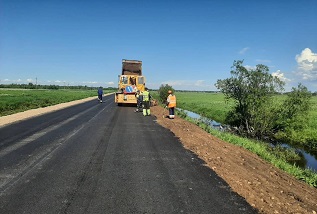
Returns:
(163,92)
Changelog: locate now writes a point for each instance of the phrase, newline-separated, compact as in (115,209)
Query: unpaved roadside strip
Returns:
(5,120)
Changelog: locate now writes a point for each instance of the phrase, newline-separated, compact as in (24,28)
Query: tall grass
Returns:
(313,114)
(13,101)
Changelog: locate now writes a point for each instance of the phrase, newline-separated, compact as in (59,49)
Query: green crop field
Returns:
(215,106)
(13,101)
(211,105)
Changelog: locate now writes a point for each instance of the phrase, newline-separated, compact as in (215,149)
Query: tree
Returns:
(163,92)
(297,103)
(252,90)
(293,114)
(31,86)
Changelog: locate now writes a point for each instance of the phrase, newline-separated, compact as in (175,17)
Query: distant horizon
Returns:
(111,87)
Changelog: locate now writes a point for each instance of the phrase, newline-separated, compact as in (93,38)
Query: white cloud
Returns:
(91,82)
(110,83)
(29,80)
(280,75)
(195,85)
(244,50)
(249,67)
(200,83)
(307,65)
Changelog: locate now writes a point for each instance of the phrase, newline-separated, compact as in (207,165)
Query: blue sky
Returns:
(186,44)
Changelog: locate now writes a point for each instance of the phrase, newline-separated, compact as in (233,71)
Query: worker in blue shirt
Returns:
(100,93)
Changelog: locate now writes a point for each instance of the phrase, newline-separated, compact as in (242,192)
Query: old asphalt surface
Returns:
(102,158)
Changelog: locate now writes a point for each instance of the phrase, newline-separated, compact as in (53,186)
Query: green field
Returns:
(313,114)
(210,105)
(13,101)
(215,106)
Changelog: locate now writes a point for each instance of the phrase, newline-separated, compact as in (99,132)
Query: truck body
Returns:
(129,82)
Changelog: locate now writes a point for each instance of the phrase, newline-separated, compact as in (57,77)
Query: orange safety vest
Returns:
(171,99)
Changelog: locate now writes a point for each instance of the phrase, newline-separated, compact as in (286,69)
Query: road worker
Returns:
(139,98)
(146,102)
(100,93)
(171,104)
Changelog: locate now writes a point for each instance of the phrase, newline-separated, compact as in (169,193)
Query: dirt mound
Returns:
(264,186)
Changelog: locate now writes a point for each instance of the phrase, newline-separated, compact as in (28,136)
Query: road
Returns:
(102,158)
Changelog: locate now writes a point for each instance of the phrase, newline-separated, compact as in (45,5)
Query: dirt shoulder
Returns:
(264,186)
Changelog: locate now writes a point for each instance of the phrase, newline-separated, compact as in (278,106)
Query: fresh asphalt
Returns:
(103,158)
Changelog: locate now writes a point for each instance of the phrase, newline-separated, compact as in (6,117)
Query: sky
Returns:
(188,44)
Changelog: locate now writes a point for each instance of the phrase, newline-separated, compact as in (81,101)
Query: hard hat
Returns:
(169,91)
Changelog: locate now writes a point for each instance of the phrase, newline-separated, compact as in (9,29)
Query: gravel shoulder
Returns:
(264,186)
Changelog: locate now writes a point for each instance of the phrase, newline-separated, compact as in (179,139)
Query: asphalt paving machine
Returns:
(129,82)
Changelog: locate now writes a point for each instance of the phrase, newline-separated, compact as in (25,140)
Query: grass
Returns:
(313,114)
(210,105)
(13,101)
(215,106)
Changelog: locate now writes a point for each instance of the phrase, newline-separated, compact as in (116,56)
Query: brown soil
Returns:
(264,186)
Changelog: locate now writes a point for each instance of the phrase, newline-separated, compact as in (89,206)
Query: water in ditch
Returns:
(308,158)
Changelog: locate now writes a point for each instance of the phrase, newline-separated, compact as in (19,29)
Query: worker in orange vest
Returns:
(171,104)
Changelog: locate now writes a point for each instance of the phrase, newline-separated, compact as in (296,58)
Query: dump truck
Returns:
(129,82)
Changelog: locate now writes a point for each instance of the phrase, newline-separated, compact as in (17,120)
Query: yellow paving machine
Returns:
(129,82)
